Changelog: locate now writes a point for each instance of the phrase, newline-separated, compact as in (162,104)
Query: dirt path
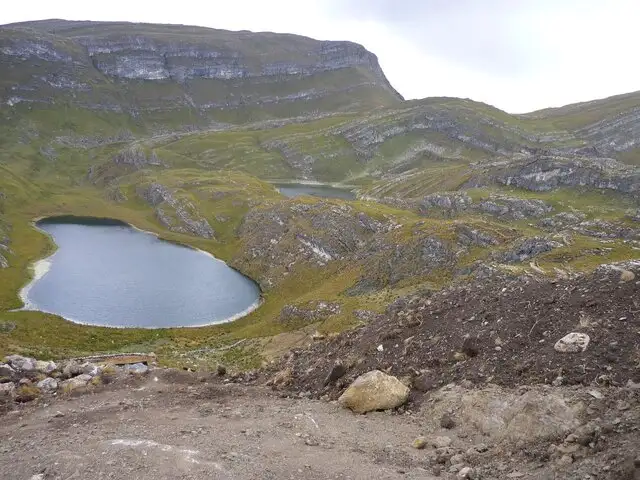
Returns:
(170,426)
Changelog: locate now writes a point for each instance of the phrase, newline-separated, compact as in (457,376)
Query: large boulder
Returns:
(20,363)
(7,390)
(75,382)
(45,367)
(6,370)
(509,415)
(136,369)
(48,385)
(572,343)
(374,390)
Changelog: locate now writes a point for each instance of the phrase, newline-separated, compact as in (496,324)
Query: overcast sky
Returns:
(519,55)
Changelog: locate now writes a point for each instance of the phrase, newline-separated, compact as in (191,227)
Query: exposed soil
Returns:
(498,330)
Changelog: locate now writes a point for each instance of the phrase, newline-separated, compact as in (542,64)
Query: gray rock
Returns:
(514,208)
(572,343)
(20,363)
(7,390)
(48,385)
(4,263)
(75,383)
(72,369)
(45,367)
(529,248)
(90,369)
(6,370)
(440,441)
(466,472)
(452,202)
(471,237)
(136,369)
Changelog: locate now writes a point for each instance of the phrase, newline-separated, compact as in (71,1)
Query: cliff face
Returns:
(135,68)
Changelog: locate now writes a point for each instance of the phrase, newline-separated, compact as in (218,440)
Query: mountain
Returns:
(159,75)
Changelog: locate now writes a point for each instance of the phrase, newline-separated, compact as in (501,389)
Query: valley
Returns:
(383,233)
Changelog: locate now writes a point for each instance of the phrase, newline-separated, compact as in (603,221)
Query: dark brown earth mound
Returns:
(498,330)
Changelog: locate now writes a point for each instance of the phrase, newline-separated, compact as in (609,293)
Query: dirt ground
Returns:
(179,425)
(179,428)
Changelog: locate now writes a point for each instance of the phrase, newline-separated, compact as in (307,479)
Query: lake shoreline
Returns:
(40,267)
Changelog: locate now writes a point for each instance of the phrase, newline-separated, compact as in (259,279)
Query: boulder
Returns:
(75,382)
(48,385)
(374,390)
(7,390)
(20,363)
(90,369)
(507,415)
(6,370)
(72,369)
(136,369)
(572,343)
(45,367)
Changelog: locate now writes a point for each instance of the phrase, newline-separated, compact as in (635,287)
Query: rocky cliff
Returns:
(141,69)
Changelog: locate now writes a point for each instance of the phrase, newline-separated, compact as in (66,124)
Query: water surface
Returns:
(327,191)
(108,273)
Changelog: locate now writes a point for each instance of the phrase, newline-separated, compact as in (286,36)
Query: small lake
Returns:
(327,191)
(108,273)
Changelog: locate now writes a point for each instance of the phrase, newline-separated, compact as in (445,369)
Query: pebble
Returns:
(419,443)
(466,472)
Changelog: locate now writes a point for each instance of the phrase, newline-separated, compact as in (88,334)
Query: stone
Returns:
(90,369)
(419,443)
(440,441)
(24,381)
(336,373)
(466,472)
(7,390)
(39,476)
(221,370)
(282,378)
(20,363)
(136,369)
(72,369)
(374,390)
(572,343)
(75,383)
(48,384)
(447,422)
(501,414)
(45,367)
(627,276)
(6,370)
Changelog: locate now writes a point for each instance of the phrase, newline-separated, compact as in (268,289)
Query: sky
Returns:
(519,55)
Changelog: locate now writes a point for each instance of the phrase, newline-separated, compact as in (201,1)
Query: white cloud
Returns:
(517,55)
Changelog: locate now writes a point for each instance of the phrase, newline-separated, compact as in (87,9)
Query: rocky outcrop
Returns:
(544,173)
(529,248)
(86,62)
(136,157)
(186,218)
(514,208)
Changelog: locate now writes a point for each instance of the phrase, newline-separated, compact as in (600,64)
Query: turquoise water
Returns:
(108,273)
